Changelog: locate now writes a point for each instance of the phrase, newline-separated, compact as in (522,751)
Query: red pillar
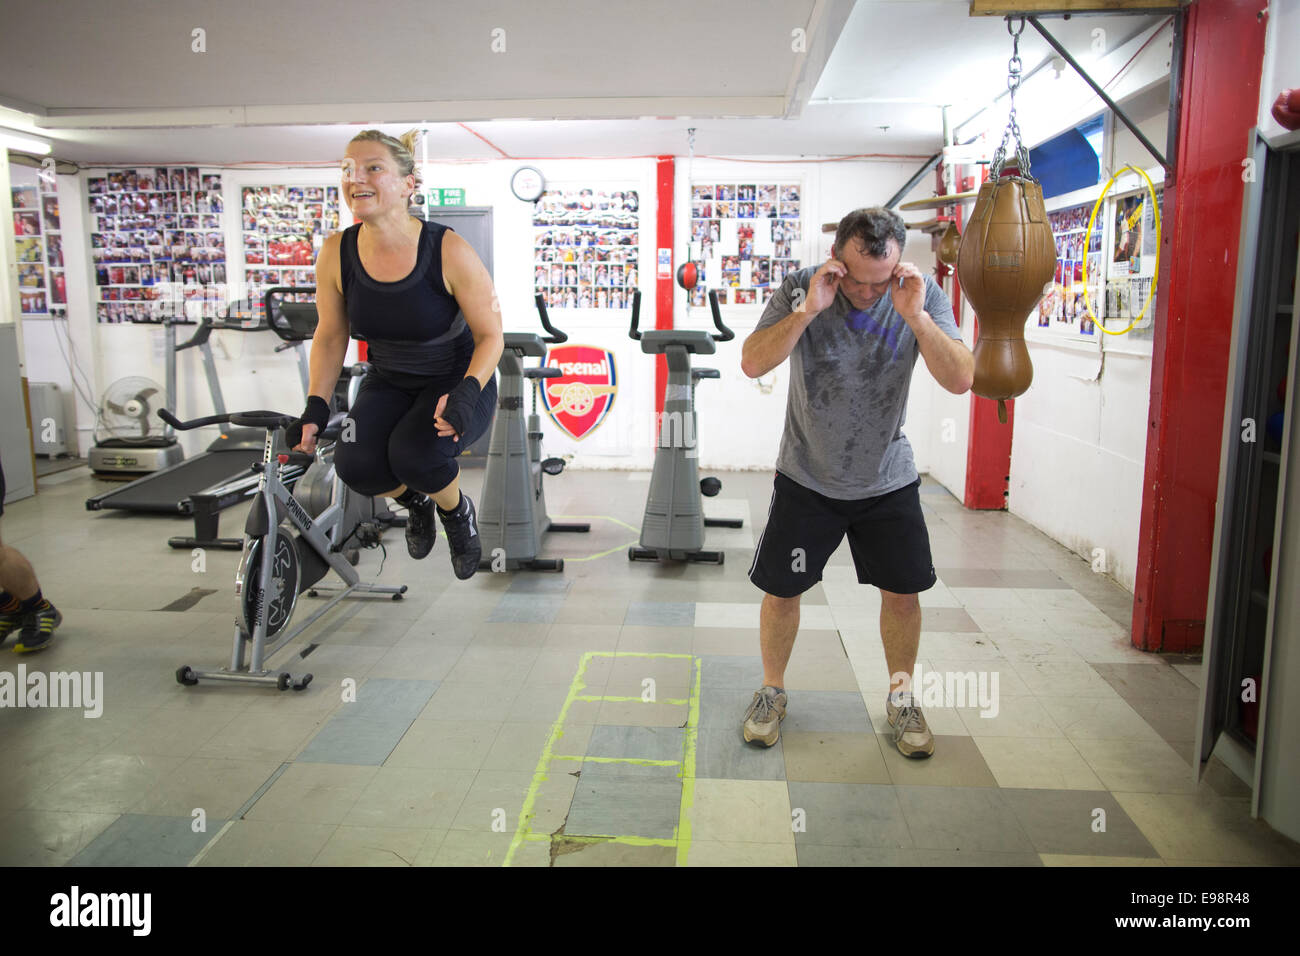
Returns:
(1222,55)
(664,179)
(988,450)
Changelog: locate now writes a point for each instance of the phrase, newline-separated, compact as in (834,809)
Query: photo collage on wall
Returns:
(158,244)
(1064,308)
(744,239)
(1131,263)
(38,245)
(586,244)
(283,228)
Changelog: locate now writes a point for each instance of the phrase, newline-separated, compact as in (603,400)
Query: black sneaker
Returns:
(38,628)
(461,526)
(421,531)
(10,621)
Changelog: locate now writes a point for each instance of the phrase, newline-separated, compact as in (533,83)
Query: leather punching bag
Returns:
(1006,263)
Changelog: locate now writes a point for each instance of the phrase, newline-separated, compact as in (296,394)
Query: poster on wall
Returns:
(38,250)
(744,239)
(1121,260)
(283,227)
(158,244)
(1063,310)
(1130,285)
(586,244)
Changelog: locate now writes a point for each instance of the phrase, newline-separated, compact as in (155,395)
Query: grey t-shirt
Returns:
(849,376)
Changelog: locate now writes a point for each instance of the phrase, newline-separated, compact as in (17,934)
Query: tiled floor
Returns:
(593,717)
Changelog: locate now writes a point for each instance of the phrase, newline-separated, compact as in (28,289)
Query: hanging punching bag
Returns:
(949,245)
(1006,262)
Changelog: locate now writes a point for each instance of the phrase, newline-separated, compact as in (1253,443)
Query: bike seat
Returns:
(705,373)
(333,428)
(543,371)
(658,340)
(526,343)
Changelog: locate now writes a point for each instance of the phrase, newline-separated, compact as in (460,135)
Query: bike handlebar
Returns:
(723,334)
(727,335)
(556,336)
(632,331)
(258,418)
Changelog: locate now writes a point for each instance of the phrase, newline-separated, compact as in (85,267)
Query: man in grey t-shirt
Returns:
(852,330)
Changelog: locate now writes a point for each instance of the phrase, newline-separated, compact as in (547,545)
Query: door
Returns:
(474,224)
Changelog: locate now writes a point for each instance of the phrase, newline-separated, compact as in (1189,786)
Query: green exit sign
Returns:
(447,197)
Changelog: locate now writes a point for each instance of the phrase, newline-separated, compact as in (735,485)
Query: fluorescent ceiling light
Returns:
(11,141)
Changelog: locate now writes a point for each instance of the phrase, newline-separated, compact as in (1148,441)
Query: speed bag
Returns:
(1006,264)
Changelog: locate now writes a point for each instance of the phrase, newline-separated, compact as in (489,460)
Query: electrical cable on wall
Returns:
(74,367)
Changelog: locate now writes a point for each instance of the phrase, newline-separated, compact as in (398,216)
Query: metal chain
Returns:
(1014,67)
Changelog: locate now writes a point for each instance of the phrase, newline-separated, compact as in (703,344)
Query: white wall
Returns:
(1281,54)
(947,427)
(740,425)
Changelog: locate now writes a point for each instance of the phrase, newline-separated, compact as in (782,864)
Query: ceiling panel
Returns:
(283,83)
(270,52)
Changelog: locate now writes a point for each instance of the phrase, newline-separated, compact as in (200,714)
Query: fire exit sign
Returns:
(447,197)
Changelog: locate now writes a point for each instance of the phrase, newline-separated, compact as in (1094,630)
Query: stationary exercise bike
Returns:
(512,515)
(673,526)
(332,522)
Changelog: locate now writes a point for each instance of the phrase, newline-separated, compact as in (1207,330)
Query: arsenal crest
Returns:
(580,399)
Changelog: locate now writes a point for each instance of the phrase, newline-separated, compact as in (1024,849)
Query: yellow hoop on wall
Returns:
(1087,244)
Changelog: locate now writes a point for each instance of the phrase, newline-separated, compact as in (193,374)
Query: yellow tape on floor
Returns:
(681,838)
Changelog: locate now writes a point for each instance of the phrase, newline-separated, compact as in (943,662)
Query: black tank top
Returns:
(412,326)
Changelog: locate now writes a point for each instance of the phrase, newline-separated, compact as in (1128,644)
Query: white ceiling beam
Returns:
(432,111)
(825,23)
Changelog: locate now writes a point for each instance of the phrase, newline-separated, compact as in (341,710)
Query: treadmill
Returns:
(294,321)
(223,474)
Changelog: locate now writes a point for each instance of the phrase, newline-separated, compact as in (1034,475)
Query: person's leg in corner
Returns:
(802,531)
(424,459)
(23,608)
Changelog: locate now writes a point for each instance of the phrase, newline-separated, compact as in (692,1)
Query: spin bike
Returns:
(673,526)
(512,516)
(332,523)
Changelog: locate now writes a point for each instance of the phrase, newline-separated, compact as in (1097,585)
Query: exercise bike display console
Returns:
(672,528)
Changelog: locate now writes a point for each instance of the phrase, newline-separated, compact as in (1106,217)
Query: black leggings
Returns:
(395,439)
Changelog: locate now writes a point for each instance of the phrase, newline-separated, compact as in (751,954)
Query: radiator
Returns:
(48,433)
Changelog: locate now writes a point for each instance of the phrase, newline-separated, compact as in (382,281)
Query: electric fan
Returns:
(130,438)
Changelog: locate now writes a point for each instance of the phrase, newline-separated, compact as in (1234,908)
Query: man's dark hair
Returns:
(871,229)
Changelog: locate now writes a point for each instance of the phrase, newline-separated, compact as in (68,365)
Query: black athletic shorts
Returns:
(887,537)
